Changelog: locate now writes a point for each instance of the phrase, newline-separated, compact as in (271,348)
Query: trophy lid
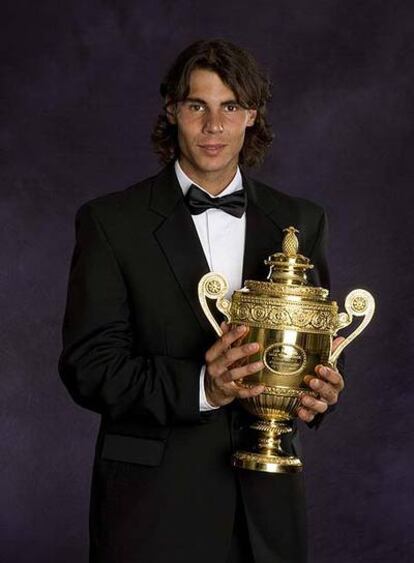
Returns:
(288,266)
(287,274)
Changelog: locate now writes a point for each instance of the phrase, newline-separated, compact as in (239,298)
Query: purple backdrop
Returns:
(79,97)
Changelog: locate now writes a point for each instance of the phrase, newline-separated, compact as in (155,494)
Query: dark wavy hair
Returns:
(240,72)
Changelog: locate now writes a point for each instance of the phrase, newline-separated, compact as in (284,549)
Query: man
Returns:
(138,350)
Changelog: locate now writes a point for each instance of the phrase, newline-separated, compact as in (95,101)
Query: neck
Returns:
(214,181)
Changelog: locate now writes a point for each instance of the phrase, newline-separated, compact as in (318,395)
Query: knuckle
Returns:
(214,370)
(307,401)
(224,327)
(228,376)
(238,374)
(219,382)
(232,354)
(225,340)
(324,390)
(323,406)
(305,414)
(221,378)
(255,366)
(309,415)
(244,393)
(226,356)
(249,347)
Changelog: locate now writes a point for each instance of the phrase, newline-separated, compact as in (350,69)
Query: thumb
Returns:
(337,341)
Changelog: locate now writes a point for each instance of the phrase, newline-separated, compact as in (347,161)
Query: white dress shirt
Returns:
(222,238)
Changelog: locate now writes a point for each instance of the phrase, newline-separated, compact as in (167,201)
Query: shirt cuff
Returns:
(204,404)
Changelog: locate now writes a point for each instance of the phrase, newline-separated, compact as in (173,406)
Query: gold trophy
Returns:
(294,324)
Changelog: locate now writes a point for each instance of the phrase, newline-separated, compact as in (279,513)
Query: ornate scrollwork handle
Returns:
(358,303)
(214,286)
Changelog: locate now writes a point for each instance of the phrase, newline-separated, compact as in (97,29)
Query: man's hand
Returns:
(328,385)
(221,374)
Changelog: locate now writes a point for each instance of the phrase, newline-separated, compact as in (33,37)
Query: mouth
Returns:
(212,149)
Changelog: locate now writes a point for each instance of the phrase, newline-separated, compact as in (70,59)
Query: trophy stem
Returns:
(268,454)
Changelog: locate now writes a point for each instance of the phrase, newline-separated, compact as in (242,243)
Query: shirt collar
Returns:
(185,182)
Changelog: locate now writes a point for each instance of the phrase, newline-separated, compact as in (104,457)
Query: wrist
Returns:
(205,405)
(209,398)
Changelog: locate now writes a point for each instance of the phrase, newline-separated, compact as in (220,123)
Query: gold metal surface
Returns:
(294,324)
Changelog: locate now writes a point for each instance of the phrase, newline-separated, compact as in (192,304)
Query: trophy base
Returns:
(267,453)
(267,463)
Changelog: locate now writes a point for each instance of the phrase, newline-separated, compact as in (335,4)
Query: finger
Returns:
(331,375)
(337,341)
(223,363)
(326,391)
(313,404)
(225,327)
(240,340)
(306,414)
(237,353)
(237,373)
(224,342)
(245,393)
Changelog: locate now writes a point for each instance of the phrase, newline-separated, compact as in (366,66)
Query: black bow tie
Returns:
(198,201)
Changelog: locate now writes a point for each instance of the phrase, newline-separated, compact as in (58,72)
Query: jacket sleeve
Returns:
(98,364)
(320,277)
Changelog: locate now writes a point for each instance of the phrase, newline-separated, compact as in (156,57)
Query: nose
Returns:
(213,123)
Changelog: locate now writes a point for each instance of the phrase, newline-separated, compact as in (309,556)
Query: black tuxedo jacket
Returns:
(134,339)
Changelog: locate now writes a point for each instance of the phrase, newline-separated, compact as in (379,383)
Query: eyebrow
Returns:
(201,101)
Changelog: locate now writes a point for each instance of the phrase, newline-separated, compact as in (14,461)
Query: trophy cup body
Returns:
(294,324)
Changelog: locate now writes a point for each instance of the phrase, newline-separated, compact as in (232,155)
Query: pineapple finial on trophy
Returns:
(288,267)
(290,244)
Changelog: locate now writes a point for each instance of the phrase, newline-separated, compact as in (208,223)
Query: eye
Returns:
(231,108)
(195,107)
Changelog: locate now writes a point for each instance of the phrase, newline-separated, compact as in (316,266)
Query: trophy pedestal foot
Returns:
(267,463)
(268,454)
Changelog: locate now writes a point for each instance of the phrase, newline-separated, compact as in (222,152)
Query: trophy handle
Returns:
(214,286)
(358,303)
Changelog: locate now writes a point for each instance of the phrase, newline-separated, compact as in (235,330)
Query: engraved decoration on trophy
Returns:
(294,324)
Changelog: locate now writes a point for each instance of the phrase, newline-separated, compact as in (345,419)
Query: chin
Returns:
(213,164)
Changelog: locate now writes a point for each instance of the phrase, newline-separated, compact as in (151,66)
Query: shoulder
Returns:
(119,201)
(285,209)
(312,210)
(136,210)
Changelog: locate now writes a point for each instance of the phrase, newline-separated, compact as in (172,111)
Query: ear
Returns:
(170,110)
(251,117)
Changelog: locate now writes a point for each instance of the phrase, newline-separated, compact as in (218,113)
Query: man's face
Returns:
(211,126)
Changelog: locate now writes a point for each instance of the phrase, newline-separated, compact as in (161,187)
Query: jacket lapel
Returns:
(178,239)
(266,216)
